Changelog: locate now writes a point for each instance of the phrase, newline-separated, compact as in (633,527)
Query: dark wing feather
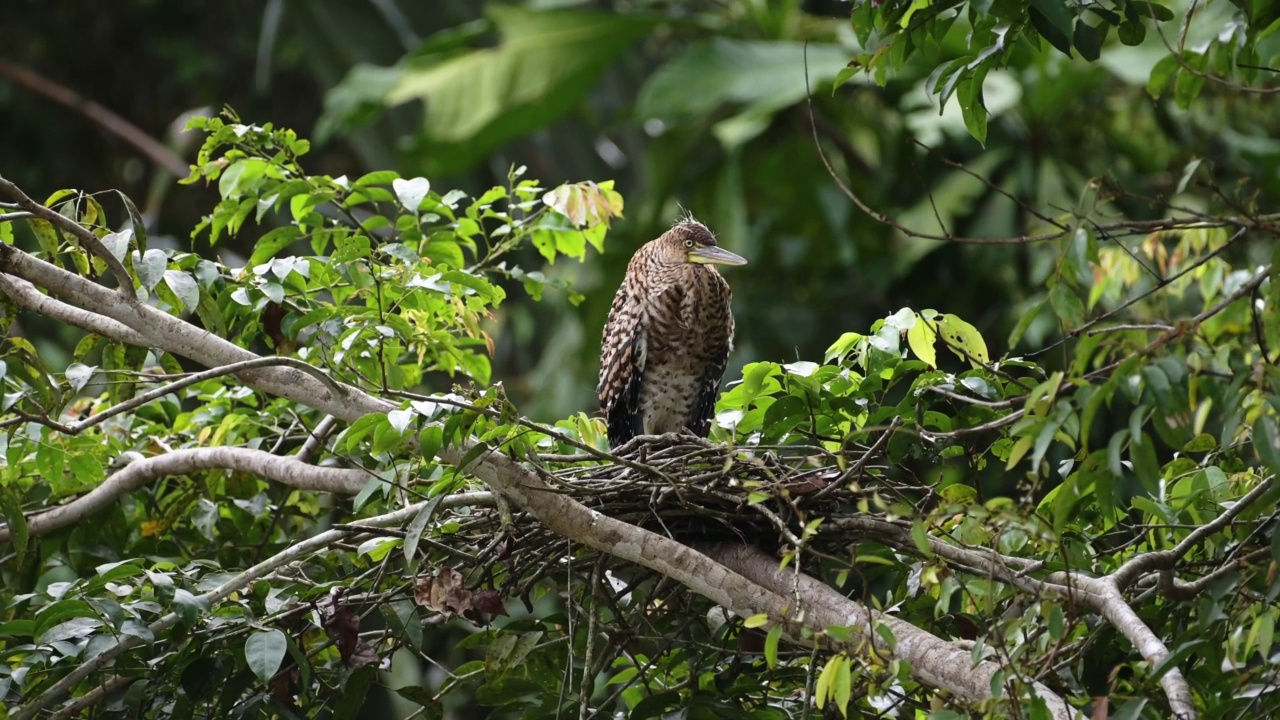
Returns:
(622,367)
(704,406)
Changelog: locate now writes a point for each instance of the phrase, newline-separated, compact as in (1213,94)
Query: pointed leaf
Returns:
(264,651)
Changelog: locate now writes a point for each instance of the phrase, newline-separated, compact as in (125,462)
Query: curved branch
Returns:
(286,470)
(81,233)
(1100,594)
(143,398)
(1139,565)
(179,337)
(154,150)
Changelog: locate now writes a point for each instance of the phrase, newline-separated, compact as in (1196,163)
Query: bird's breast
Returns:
(689,329)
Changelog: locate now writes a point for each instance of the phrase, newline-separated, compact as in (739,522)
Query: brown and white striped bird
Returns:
(668,337)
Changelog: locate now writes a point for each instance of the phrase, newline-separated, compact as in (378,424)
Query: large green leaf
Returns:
(544,65)
(765,75)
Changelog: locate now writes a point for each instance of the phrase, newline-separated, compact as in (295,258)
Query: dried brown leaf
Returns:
(342,624)
(443,593)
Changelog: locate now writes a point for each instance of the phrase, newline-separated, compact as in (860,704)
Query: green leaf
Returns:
(843,685)
(78,374)
(1161,73)
(1053,20)
(117,243)
(273,242)
(972,107)
(242,177)
(184,287)
(1088,40)
(757,620)
(264,651)
(86,469)
(377,177)
(959,493)
(543,64)
(410,193)
(1067,306)
(11,509)
(1019,451)
(1266,441)
(413,533)
(823,688)
(50,461)
(1132,33)
(771,645)
(1149,10)
(920,537)
(150,267)
(1187,87)
(1024,322)
(765,75)
(963,339)
(47,237)
(353,692)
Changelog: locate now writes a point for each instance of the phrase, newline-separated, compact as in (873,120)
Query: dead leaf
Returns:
(487,605)
(443,593)
(342,624)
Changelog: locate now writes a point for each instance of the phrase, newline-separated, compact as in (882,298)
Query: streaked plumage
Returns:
(668,337)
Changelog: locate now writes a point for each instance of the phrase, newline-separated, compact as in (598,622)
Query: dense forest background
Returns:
(1076,198)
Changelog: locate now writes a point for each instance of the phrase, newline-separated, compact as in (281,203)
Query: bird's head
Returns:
(689,241)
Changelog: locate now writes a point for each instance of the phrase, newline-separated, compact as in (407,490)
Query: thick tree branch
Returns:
(176,336)
(28,297)
(934,661)
(1099,594)
(141,399)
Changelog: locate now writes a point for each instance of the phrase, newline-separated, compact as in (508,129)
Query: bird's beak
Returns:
(715,255)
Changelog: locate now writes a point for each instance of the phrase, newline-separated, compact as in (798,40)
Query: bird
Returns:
(668,336)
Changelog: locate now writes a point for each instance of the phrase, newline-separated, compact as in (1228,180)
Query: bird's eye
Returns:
(688,243)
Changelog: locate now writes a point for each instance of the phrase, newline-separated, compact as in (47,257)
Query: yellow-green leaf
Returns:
(963,339)
(921,337)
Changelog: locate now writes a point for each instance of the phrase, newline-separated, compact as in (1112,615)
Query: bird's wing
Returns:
(704,406)
(622,358)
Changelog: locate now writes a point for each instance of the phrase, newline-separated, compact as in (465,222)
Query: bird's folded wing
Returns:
(622,361)
(704,406)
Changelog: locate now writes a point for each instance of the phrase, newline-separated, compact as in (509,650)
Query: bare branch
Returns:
(1139,565)
(192,379)
(154,150)
(174,335)
(727,586)
(276,468)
